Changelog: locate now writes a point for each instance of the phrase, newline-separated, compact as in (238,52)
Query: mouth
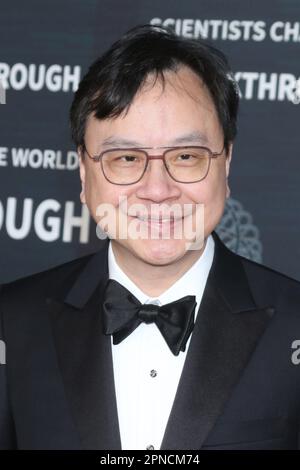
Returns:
(158,220)
(160,224)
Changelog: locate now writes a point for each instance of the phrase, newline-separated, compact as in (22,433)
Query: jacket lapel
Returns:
(228,327)
(85,357)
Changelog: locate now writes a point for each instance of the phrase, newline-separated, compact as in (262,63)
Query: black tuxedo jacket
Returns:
(239,387)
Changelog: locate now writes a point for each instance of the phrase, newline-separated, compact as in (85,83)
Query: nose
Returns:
(156,184)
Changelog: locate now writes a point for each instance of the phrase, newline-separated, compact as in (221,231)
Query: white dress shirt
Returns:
(146,372)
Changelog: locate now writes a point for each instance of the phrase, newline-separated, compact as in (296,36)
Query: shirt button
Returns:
(153,373)
(151,447)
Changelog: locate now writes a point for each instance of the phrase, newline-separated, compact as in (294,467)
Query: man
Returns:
(157,341)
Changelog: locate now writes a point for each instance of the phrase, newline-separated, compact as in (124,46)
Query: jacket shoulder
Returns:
(39,284)
(264,281)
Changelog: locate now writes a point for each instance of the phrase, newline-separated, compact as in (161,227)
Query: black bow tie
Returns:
(123,313)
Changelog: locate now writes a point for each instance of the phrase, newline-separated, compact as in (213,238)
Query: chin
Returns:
(160,252)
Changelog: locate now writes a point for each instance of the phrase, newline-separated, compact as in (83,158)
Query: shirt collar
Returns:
(191,283)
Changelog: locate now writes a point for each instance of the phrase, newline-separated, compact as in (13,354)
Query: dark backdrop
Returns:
(45,47)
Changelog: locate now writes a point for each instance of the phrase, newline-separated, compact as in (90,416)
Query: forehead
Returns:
(182,86)
(180,103)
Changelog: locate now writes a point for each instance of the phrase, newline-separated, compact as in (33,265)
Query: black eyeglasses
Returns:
(188,164)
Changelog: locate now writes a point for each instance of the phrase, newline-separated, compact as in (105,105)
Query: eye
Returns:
(127,158)
(186,156)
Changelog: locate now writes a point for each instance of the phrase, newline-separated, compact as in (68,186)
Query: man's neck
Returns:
(153,280)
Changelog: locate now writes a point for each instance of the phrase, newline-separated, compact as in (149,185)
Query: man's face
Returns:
(182,111)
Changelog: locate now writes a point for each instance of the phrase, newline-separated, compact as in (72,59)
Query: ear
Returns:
(227,163)
(82,175)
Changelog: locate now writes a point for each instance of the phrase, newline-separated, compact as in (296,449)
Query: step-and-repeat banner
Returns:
(46,47)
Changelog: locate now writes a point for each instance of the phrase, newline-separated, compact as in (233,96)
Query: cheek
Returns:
(99,192)
(215,192)
(211,192)
(214,203)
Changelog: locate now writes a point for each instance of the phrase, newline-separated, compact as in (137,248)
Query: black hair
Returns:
(112,81)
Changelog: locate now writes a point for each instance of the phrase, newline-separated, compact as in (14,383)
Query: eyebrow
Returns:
(191,137)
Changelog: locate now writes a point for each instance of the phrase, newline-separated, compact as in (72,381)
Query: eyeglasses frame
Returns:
(98,158)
